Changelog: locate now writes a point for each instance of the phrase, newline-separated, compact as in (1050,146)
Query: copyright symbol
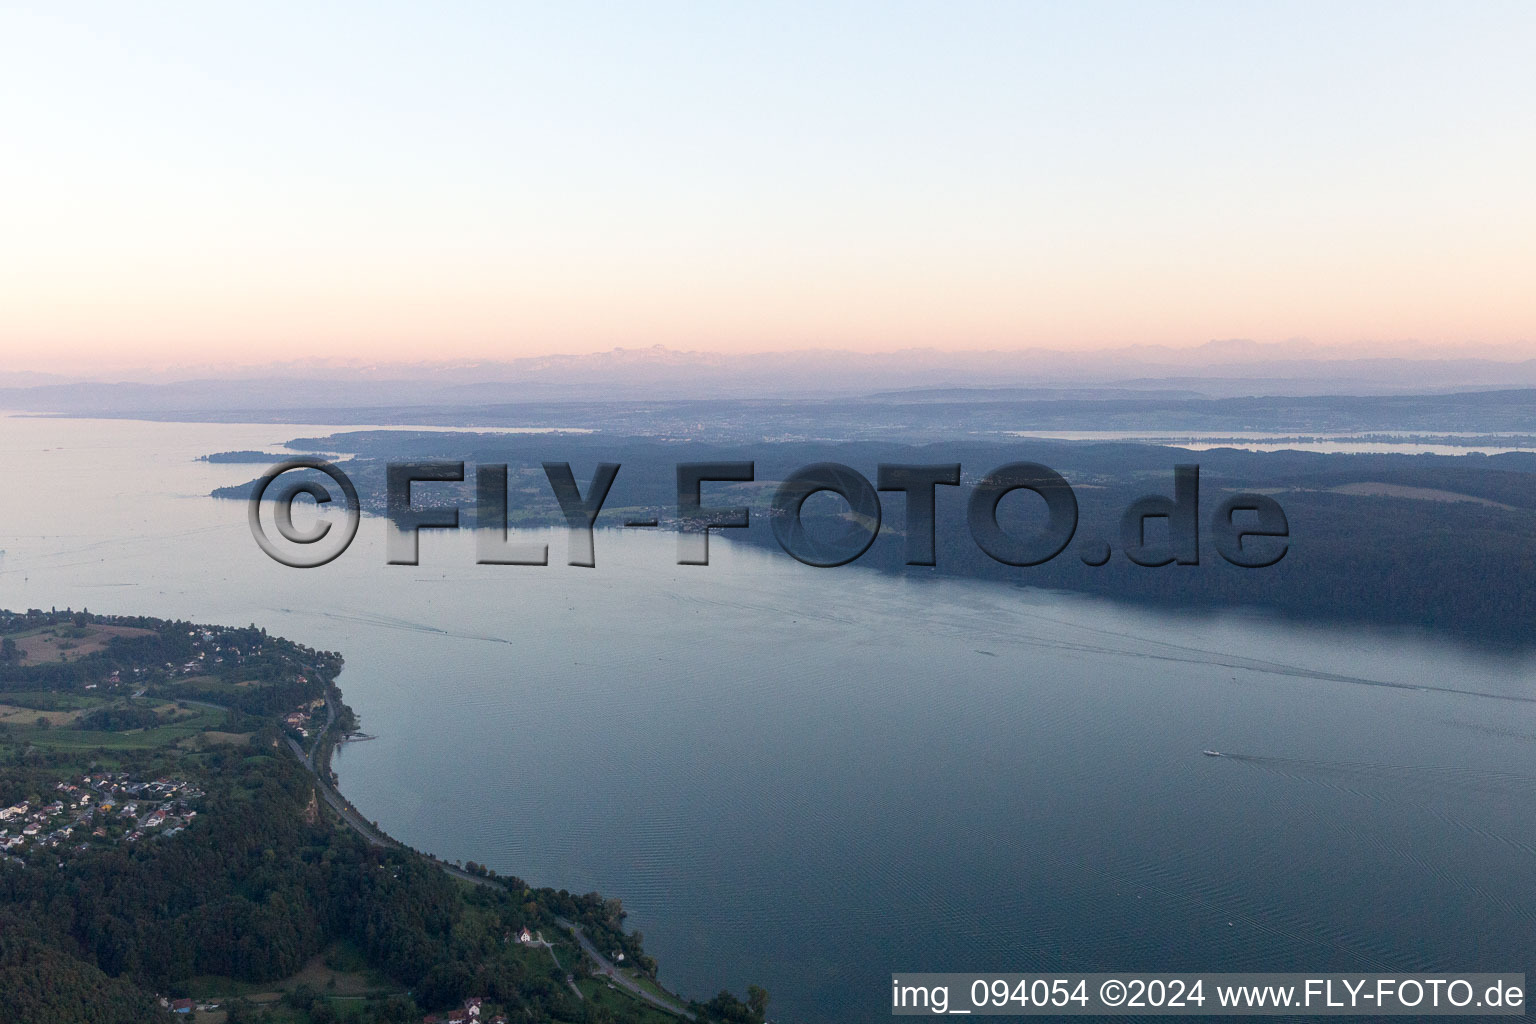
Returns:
(282,514)
(1112,992)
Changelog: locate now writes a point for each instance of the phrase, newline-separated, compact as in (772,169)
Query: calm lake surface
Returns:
(810,778)
(1332,442)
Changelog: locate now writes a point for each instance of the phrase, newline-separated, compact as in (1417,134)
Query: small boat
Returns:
(1211,753)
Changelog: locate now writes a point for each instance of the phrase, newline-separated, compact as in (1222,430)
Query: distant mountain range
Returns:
(1216,370)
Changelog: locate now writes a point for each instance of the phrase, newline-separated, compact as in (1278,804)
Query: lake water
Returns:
(1374,443)
(810,778)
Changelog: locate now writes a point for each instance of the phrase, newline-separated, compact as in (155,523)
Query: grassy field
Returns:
(67,643)
(49,700)
(647,984)
(20,714)
(339,971)
(214,738)
(597,992)
(65,709)
(189,723)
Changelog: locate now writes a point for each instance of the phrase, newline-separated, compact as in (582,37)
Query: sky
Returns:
(249,182)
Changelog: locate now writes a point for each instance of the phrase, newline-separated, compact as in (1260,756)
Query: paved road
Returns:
(624,981)
(330,720)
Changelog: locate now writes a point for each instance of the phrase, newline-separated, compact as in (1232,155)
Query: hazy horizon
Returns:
(1235,359)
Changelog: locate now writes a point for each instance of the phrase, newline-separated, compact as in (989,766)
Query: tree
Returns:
(301,996)
(757,1001)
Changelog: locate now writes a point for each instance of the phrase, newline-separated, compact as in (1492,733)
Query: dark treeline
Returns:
(117,719)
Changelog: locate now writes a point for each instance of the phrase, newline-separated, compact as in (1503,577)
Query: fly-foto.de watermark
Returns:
(1247,530)
(1201,994)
